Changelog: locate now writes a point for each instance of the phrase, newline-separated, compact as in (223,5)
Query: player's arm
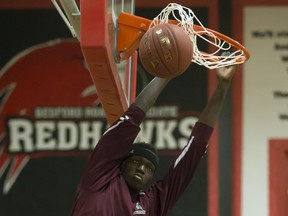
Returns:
(184,167)
(212,110)
(146,99)
(117,139)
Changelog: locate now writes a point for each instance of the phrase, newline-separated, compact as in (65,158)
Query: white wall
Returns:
(265,28)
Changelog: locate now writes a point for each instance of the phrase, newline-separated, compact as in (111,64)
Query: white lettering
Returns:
(67,135)
(163,111)
(58,112)
(90,134)
(44,135)
(21,135)
(29,136)
(164,135)
(185,127)
(146,132)
(48,135)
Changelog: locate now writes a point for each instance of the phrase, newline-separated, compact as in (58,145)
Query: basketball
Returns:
(165,50)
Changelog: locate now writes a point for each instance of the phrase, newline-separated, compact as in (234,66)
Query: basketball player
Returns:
(118,178)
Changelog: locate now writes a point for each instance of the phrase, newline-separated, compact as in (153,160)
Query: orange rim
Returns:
(132,28)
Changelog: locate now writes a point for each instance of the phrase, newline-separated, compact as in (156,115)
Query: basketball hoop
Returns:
(131,30)
(186,18)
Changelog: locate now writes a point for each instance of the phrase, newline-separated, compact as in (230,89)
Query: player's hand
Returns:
(226,73)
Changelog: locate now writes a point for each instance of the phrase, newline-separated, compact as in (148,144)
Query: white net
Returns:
(186,18)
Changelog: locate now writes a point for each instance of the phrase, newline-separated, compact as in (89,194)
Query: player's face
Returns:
(138,172)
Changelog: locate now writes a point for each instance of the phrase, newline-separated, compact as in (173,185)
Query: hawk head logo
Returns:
(48,75)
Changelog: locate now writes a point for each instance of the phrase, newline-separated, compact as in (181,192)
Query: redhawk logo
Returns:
(49,107)
(47,101)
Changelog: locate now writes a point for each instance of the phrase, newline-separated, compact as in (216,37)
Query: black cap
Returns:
(146,150)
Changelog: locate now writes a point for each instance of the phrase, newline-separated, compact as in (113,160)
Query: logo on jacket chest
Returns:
(139,209)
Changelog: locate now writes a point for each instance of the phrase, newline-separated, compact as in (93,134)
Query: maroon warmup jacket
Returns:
(103,191)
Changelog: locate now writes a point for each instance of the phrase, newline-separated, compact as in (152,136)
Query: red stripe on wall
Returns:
(237,110)
(163,3)
(25,4)
(28,4)
(278,177)
(33,4)
(213,175)
(213,155)
(237,144)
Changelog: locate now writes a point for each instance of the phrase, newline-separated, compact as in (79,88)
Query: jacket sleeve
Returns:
(179,175)
(111,149)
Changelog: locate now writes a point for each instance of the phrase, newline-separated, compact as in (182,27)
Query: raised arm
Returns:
(212,110)
(146,99)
